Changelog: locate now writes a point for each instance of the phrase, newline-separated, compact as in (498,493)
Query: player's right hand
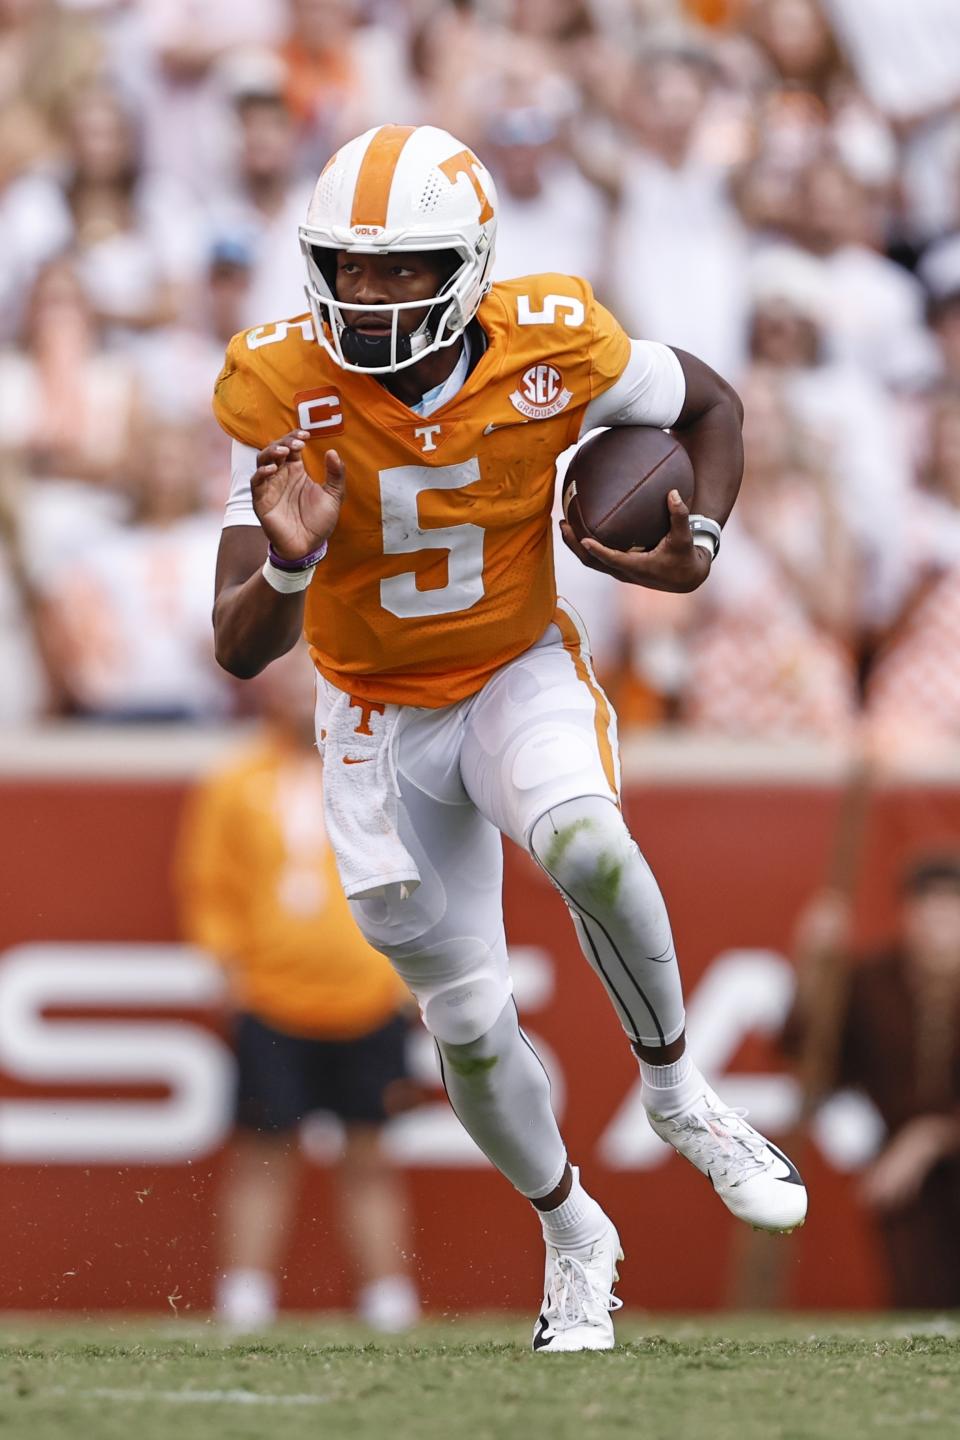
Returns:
(296,513)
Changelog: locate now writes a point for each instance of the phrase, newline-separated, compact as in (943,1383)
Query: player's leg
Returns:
(539,757)
(261,1178)
(619,914)
(446,940)
(371,1194)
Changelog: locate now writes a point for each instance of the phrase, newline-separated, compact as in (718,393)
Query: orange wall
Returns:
(88,862)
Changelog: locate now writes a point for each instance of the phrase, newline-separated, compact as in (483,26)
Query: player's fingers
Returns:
(569,539)
(572,543)
(276,454)
(262,474)
(334,478)
(679,519)
(634,560)
(278,450)
(335,473)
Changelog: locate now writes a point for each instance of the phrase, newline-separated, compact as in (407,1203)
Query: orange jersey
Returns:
(258,887)
(440,569)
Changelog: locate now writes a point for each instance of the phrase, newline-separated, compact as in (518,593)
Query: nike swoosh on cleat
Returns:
(364,760)
(792,1176)
(541,1340)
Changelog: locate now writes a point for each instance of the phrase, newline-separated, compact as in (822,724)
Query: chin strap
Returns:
(372,350)
(377,350)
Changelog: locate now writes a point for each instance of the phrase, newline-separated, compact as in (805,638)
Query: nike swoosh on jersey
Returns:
(507,425)
(363,760)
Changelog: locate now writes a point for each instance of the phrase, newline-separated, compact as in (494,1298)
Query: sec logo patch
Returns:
(541,392)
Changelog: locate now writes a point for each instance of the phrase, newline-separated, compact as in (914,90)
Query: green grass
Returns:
(765,1378)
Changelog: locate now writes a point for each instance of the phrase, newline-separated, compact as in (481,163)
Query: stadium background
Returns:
(775,186)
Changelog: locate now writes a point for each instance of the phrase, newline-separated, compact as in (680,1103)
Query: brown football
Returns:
(616,487)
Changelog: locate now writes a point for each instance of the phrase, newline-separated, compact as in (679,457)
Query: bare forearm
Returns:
(715,447)
(710,427)
(254,624)
(254,621)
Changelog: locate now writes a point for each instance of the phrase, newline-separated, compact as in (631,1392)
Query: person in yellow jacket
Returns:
(319,1014)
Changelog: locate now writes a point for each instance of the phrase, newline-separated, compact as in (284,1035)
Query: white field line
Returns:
(184,1397)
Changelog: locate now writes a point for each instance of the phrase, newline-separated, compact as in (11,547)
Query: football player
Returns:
(393,475)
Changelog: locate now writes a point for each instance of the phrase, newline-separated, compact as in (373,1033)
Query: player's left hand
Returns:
(676,564)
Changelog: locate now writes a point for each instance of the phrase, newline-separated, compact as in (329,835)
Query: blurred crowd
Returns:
(771,184)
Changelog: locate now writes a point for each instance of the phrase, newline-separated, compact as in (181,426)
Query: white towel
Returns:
(361,799)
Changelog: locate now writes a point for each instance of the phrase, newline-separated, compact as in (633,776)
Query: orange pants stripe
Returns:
(573,644)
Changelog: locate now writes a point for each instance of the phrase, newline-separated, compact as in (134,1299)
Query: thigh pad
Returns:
(541,732)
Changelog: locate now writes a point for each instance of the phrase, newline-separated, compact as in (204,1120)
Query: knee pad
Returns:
(392,924)
(585,847)
(460,1008)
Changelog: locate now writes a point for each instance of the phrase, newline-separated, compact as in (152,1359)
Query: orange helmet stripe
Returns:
(372,194)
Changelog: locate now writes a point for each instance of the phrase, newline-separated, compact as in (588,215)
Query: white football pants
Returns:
(533,755)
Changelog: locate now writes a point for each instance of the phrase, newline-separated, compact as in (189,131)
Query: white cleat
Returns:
(578,1299)
(753,1178)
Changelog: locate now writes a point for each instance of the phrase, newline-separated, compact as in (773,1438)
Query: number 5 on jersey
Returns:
(400,489)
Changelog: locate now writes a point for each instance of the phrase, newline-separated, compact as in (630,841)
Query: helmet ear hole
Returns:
(326,262)
(450,263)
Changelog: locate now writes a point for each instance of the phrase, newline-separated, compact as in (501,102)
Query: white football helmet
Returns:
(399,188)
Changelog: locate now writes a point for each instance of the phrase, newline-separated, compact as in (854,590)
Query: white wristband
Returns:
(706,533)
(286,582)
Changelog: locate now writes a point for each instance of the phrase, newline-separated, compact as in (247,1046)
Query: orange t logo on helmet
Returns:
(466,163)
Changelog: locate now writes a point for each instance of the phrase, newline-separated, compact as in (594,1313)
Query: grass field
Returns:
(765,1378)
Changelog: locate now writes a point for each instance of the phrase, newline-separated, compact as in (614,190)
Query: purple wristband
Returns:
(293,567)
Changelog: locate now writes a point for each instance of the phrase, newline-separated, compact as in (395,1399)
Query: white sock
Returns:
(246,1299)
(576,1225)
(389,1305)
(668,1089)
